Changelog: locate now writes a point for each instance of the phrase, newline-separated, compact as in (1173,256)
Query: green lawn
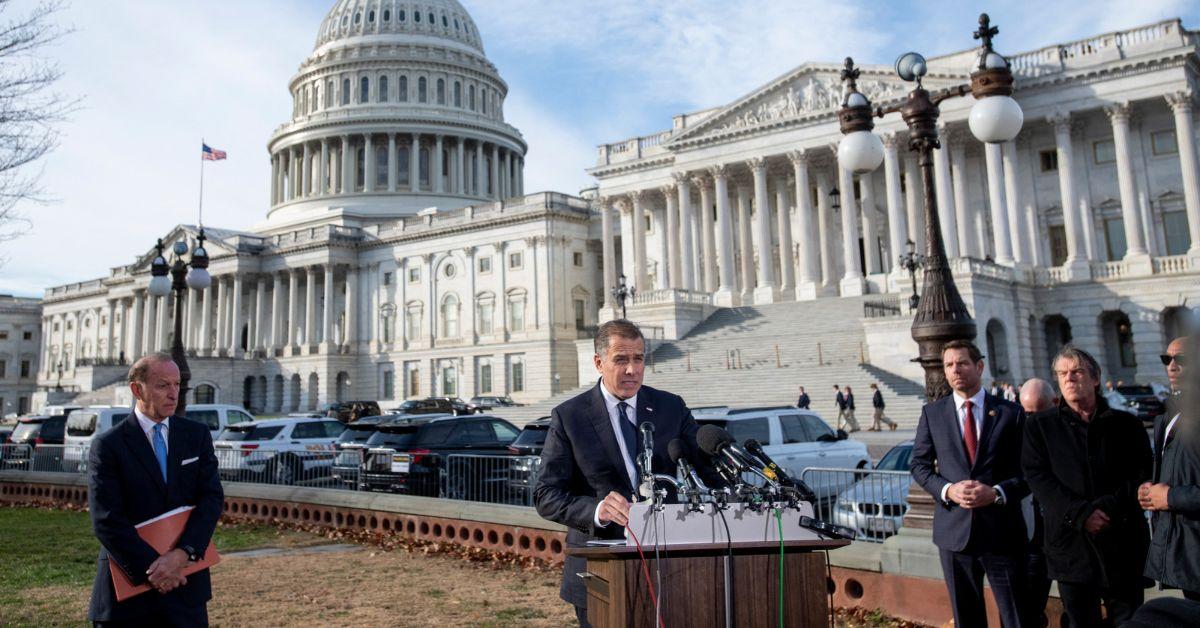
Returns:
(43,551)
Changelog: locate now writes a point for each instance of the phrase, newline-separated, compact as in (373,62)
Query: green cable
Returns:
(779,518)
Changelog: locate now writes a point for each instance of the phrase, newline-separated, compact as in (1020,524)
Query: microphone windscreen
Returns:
(711,438)
(646,426)
(677,450)
(753,446)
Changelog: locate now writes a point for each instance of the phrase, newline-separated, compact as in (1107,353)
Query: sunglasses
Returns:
(1178,357)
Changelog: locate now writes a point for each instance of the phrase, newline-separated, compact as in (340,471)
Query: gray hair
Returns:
(1071,352)
(141,368)
(1036,387)
(621,328)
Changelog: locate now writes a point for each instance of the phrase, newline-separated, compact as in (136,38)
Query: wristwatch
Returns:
(999,497)
(192,556)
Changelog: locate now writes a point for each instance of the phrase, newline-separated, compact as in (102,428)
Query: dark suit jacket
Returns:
(582,463)
(841,400)
(939,458)
(125,487)
(803,401)
(877,399)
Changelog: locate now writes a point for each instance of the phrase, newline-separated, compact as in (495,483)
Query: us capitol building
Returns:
(401,255)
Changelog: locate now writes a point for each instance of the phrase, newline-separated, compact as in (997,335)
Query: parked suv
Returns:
(82,426)
(351,448)
(432,405)
(1136,399)
(523,470)
(795,439)
(411,454)
(279,451)
(24,450)
(347,411)
(487,402)
(461,407)
(217,416)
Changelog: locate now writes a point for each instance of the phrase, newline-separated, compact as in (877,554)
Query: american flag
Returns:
(208,153)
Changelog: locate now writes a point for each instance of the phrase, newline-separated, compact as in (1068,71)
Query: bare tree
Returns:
(29,107)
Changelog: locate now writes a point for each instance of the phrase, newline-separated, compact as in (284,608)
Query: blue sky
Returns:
(155,77)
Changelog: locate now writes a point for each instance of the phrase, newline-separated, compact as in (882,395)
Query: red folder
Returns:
(162,533)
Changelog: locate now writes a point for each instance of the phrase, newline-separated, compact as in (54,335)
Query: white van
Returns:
(217,416)
(82,426)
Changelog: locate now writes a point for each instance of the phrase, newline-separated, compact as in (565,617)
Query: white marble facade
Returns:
(20,339)
(378,275)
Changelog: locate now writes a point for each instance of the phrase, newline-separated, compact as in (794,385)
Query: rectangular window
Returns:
(23,405)
(25,368)
(1114,237)
(1104,152)
(1048,160)
(449,381)
(1163,143)
(4,334)
(486,314)
(516,371)
(577,257)
(413,382)
(516,314)
(3,369)
(580,311)
(28,335)
(649,224)
(388,384)
(414,275)
(485,265)
(516,260)
(387,278)
(413,324)
(485,376)
(1175,226)
(1058,245)
(385,324)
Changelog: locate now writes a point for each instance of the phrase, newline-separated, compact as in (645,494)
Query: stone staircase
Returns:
(103,396)
(760,355)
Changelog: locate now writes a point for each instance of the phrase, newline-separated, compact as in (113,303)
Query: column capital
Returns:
(669,190)
(468,251)
(757,165)
(1182,100)
(701,181)
(1119,112)
(636,197)
(952,137)
(1061,120)
(800,157)
(719,172)
(499,246)
(681,178)
(891,140)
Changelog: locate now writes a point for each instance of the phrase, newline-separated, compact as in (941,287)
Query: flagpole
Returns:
(200,214)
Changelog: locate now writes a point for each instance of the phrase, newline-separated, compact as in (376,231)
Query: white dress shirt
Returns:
(960,408)
(1170,426)
(148,424)
(614,418)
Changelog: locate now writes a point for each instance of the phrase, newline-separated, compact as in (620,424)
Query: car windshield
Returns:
(435,434)
(394,436)
(532,436)
(357,433)
(410,404)
(82,423)
(1139,391)
(26,431)
(250,433)
(896,459)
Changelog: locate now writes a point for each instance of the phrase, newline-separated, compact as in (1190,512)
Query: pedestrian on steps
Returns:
(877,402)
(803,402)
(841,405)
(851,422)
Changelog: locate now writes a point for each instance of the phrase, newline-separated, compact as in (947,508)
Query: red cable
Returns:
(646,572)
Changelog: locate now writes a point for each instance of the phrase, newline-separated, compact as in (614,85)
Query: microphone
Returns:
(718,443)
(645,460)
(777,473)
(678,452)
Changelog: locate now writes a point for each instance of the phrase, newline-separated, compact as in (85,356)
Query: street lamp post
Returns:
(911,261)
(995,118)
(181,279)
(623,292)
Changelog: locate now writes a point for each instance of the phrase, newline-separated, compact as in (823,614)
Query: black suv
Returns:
(23,451)
(412,455)
(487,402)
(524,470)
(347,411)
(352,447)
(460,407)
(1139,400)
(432,405)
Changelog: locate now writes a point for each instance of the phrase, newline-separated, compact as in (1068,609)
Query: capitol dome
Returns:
(397,109)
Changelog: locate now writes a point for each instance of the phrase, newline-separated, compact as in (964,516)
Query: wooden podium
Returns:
(693,587)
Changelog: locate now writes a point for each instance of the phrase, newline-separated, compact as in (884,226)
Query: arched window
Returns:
(516,310)
(412,320)
(364,90)
(457,94)
(403,15)
(423,167)
(381,166)
(345,91)
(357,18)
(383,89)
(402,165)
(402,96)
(371,16)
(445,22)
(328,94)
(387,15)
(471,97)
(485,312)
(421,91)
(431,20)
(441,92)
(483,95)
(450,316)
(417,17)
(456,24)
(359,167)
(204,393)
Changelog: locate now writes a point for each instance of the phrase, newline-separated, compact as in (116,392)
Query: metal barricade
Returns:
(869,501)
(251,462)
(40,458)
(498,479)
(403,472)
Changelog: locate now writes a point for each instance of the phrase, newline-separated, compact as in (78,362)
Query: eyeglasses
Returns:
(1178,357)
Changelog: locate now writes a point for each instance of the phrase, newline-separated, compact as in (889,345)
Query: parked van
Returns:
(82,426)
(217,416)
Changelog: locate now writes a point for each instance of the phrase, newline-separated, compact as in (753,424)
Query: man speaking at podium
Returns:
(589,473)
(144,466)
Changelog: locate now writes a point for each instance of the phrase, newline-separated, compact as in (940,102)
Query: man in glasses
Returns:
(1173,496)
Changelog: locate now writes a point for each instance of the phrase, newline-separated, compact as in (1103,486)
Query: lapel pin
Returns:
(649,409)
(992,413)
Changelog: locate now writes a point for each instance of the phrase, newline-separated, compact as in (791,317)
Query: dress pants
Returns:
(964,573)
(581,615)
(1081,603)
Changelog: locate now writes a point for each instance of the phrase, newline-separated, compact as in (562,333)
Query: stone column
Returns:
(133,329)
(943,183)
(870,230)
(995,175)
(327,310)
(347,168)
(1182,104)
(222,314)
(260,309)
(1015,206)
(825,234)
(671,274)
(687,224)
(914,197)
(391,163)
(335,170)
(810,256)
(783,225)
(109,335)
(235,344)
(640,280)
(508,176)
(745,244)
(766,291)
(459,160)
(323,169)
(521,176)
(436,168)
(310,306)
(607,251)
(190,327)
(293,307)
(969,244)
(350,333)
(306,172)
(707,280)
(897,221)
(725,295)
(414,163)
(494,173)
(149,329)
(480,171)
(368,163)
(852,277)
(1076,263)
(274,180)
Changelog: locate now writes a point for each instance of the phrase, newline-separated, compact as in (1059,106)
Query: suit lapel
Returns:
(608,438)
(989,415)
(960,448)
(138,444)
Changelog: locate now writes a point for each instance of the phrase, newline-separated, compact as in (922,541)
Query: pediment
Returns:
(811,90)
(214,243)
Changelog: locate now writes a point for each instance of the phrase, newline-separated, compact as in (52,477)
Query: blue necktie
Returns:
(628,432)
(160,449)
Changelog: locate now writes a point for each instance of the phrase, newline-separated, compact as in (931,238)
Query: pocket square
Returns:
(189,461)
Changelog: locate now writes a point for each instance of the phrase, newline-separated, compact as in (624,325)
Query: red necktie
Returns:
(969,438)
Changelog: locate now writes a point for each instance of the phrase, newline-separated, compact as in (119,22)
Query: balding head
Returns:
(1037,395)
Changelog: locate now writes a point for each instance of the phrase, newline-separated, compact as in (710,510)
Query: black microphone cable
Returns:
(645,570)
(828,582)
(729,562)
(779,519)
